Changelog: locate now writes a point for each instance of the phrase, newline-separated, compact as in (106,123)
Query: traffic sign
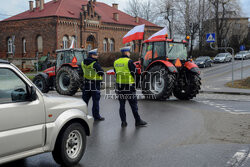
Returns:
(211,37)
(242,47)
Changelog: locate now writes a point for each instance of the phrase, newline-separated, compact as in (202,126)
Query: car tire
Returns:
(41,83)
(66,152)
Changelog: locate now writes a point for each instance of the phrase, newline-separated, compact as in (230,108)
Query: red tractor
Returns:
(66,76)
(166,69)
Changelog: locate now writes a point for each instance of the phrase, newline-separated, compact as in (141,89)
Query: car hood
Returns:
(219,58)
(239,55)
(198,62)
(57,104)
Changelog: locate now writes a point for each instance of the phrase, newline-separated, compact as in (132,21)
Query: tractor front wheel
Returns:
(67,81)
(158,83)
(190,89)
(41,83)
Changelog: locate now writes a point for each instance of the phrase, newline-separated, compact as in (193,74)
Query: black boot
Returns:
(100,119)
(124,124)
(140,123)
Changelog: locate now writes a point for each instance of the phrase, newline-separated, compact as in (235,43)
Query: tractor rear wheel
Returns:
(190,89)
(158,83)
(41,83)
(67,81)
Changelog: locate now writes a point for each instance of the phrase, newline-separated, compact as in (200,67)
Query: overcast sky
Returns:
(12,7)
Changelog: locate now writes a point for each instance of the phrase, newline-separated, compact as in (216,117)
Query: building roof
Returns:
(72,9)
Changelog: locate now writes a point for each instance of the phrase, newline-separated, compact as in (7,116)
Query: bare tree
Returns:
(143,9)
(134,8)
(165,9)
(223,10)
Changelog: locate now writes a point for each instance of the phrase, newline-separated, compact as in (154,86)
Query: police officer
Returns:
(93,74)
(125,84)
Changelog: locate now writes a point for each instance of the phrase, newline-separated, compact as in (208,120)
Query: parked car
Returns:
(203,61)
(223,57)
(242,55)
(33,123)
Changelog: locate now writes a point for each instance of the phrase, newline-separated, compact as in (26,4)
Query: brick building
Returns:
(45,28)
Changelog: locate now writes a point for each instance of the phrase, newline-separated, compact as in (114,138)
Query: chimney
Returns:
(115,5)
(116,16)
(41,4)
(31,6)
(37,3)
(137,19)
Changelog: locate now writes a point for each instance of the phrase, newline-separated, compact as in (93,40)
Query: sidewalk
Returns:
(217,84)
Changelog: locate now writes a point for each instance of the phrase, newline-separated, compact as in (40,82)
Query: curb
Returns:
(227,93)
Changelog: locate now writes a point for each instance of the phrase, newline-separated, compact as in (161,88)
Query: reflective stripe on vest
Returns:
(90,73)
(123,74)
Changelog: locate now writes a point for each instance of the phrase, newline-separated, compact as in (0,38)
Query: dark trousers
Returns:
(132,99)
(92,89)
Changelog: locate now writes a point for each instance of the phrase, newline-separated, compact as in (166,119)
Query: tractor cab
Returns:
(70,56)
(163,49)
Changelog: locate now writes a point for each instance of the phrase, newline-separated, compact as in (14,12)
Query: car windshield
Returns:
(243,52)
(201,58)
(221,55)
(176,50)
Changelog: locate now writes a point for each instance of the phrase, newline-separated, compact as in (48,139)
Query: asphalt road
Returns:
(209,131)
(223,68)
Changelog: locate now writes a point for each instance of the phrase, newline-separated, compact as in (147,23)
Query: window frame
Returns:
(165,51)
(133,46)
(112,45)
(25,83)
(10,45)
(24,45)
(75,41)
(37,40)
(105,45)
(65,41)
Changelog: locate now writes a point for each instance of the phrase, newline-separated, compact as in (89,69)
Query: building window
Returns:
(40,44)
(105,45)
(132,45)
(111,45)
(10,45)
(90,42)
(65,42)
(73,38)
(24,45)
(89,48)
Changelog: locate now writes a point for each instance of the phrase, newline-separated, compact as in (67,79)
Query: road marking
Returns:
(240,110)
(238,158)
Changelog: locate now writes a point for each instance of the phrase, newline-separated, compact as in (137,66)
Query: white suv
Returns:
(32,123)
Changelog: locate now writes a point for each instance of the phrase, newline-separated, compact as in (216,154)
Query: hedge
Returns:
(108,59)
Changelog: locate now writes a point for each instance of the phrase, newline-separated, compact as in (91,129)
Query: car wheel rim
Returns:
(157,83)
(64,81)
(74,144)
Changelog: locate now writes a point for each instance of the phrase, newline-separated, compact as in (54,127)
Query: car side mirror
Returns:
(32,94)
(18,95)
